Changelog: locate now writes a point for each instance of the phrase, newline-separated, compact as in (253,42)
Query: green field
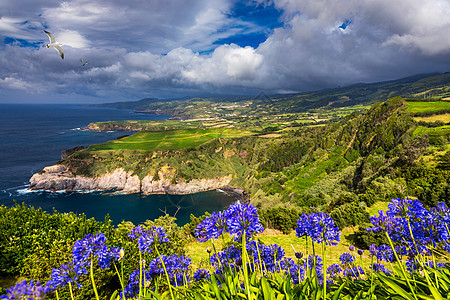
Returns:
(167,140)
(429,107)
(432,132)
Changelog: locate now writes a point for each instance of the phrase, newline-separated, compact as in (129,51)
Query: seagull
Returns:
(55,44)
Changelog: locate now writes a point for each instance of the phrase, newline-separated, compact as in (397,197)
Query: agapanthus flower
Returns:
(132,288)
(360,252)
(354,272)
(176,267)
(299,255)
(334,270)
(310,264)
(346,258)
(385,253)
(24,290)
(236,220)
(382,222)
(94,247)
(226,259)
(67,273)
(243,218)
(351,248)
(318,226)
(270,255)
(290,267)
(202,274)
(373,250)
(409,223)
(380,268)
(151,237)
(212,227)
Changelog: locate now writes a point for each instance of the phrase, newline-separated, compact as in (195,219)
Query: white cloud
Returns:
(18,84)
(167,48)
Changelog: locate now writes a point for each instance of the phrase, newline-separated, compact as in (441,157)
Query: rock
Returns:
(68,152)
(58,178)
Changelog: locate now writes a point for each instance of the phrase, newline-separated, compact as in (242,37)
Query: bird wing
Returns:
(60,51)
(50,36)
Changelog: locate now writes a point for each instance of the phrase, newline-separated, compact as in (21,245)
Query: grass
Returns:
(434,106)
(197,251)
(432,132)
(171,139)
(373,210)
(444,118)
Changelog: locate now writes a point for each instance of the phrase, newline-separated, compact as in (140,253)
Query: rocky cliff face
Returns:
(57,178)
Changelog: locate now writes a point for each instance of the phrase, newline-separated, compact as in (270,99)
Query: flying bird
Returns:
(55,44)
(85,62)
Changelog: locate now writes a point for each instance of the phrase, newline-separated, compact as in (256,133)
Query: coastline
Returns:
(58,178)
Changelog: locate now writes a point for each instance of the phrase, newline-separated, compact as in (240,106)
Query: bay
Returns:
(32,136)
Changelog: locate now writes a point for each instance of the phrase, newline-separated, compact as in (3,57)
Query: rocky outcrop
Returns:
(57,178)
(68,152)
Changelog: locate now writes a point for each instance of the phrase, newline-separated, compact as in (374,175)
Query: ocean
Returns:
(32,136)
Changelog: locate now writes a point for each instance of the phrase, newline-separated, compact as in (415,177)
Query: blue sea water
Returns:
(32,136)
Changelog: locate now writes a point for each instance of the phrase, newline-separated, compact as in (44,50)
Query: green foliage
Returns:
(25,230)
(350,214)
(428,183)
(280,218)
(363,238)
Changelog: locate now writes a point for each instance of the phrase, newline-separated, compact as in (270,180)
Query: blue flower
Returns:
(270,255)
(176,267)
(243,218)
(202,274)
(228,258)
(147,239)
(236,220)
(132,288)
(346,258)
(380,268)
(68,273)
(94,247)
(355,272)
(318,226)
(24,290)
(334,270)
(290,267)
(212,227)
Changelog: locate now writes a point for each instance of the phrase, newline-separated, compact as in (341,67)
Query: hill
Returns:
(430,86)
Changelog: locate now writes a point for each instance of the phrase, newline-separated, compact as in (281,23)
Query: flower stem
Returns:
(92,280)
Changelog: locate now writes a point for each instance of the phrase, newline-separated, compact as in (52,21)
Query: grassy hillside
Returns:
(434,86)
(169,139)
(421,107)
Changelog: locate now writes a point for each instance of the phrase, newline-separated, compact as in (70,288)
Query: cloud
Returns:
(18,84)
(176,48)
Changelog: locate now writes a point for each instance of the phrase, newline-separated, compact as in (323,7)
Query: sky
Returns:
(136,49)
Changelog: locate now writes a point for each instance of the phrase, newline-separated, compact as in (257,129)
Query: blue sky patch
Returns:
(266,17)
(345,24)
(21,43)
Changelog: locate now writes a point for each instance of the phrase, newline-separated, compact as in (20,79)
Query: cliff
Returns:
(58,178)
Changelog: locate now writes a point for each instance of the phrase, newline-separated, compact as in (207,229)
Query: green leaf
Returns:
(338,292)
(114,295)
(397,289)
